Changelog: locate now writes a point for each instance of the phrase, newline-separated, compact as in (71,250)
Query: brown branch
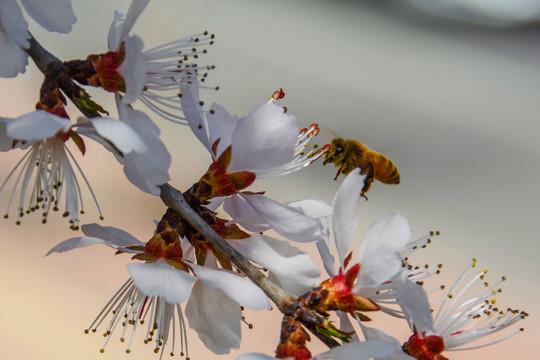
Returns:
(54,69)
(40,56)
(287,303)
(175,200)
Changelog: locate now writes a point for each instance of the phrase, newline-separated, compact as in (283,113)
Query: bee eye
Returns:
(339,150)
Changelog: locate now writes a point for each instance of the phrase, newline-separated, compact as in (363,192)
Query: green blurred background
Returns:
(453,103)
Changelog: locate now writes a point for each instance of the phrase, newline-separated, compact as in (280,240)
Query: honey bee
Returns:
(348,155)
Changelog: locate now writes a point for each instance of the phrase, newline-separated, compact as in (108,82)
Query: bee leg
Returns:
(340,170)
(365,188)
(368,171)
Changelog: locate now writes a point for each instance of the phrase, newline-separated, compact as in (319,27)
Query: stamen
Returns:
(165,72)
(278,94)
(110,304)
(87,184)
(465,316)
(249,325)
(16,182)
(47,170)
(131,308)
(306,152)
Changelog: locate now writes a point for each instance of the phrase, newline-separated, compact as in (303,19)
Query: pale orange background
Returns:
(455,106)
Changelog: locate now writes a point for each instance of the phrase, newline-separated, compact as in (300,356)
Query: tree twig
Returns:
(54,68)
(175,200)
(41,57)
(287,303)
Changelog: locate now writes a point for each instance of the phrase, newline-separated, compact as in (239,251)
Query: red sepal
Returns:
(78,140)
(165,244)
(106,70)
(425,347)
(51,99)
(351,275)
(225,158)
(335,294)
(242,179)
(217,182)
(293,340)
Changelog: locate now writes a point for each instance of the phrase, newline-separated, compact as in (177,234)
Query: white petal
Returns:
(133,13)
(149,168)
(344,219)
(288,221)
(189,88)
(257,356)
(6,141)
(364,350)
(216,202)
(79,242)
(290,268)
(113,235)
(137,119)
(372,334)
(13,58)
(380,252)
(85,128)
(264,139)
(13,37)
(161,279)
(378,335)
(215,317)
(75,243)
(36,125)
(244,214)
(13,26)
(238,288)
(133,69)
(123,136)
(326,256)
(346,325)
(313,207)
(53,15)
(319,209)
(221,125)
(414,302)
(113,39)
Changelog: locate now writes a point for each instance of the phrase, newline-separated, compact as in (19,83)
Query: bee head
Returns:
(336,152)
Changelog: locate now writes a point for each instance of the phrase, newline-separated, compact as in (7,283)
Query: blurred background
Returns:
(448,90)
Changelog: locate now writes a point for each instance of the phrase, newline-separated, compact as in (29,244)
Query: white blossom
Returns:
(45,172)
(264,142)
(153,76)
(166,287)
(267,142)
(466,313)
(384,241)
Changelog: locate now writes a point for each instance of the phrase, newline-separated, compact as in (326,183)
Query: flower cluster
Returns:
(383,279)
(154,76)
(220,247)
